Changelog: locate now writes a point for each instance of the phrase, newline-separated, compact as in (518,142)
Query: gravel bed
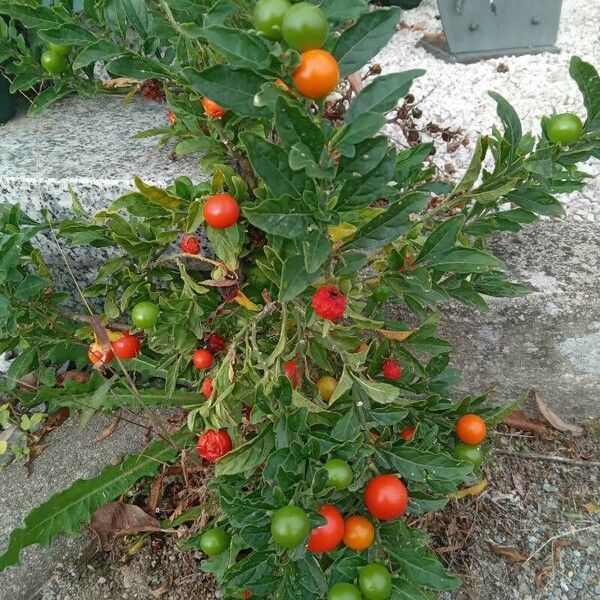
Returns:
(455,95)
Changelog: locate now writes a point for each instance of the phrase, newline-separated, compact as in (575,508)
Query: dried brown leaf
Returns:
(163,589)
(397,336)
(110,429)
(118,518)
(474,490)
(518,420)
(508,552)
(120,82)
(553,418)
(157,485)
(76,376)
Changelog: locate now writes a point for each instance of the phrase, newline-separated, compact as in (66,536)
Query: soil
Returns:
(533,533)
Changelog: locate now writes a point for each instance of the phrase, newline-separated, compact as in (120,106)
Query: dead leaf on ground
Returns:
(76,376)
(518,420)
(474,490)
(120,82)
(553,418)
(508,552)
(591,507)
(434,38)
(110,429)
(163,589)
(157,485)
(118,518)
(542,577)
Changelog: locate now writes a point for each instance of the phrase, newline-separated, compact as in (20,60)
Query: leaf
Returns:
(588,80)
(511,554)
(244,301)
(294,278)
(247,457)
(228,87)
(359,192)
(36,17)
(424,569)
(137,67)
(66,511)
(442,238)
(403,590)
(239,47)
(398,336)
(536,200)
(472,173)
(369,154)
(118,518)
(339,11)
(316,250)
(518,420)
(99,50)
(157,195)
(360,43)
(68,33)
(388,226)
(46,98)
(295,126)
(510,120)
(382,95)
(226,243)
(365,126)
(553,418)
(343,385)
(271,165)
(285,216)
(382,393)
(473,490)
(465,260)
(347,428)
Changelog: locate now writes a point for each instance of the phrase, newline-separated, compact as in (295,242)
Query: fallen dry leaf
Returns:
(553,418)
(120,82)
(110,429)
(474,490)
(355,81)
(398,336)
(591,507)
(518,420)
(76,376)
(157,485)
(118,518)
(163,589)
(508,552)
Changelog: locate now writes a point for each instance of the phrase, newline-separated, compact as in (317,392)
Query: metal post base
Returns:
(439,48)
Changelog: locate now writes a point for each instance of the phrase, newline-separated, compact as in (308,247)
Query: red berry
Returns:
(215,343)
(247,594)
(207,386)
(213,444)
(391,369)
(329,303)
(407,432)
(202,359)
(127,346)
(172,118)
(292,372)
(190,244)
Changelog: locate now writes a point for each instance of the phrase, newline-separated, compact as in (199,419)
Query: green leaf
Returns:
(361,191)
(347,428)
(67,511)
(364,126)
(343,385)
(99,50)
(381,393)
(389,225)
(465,260)
(286,216)
(417,465)
(424,569)
(294,278)
(247,457)
(294,126)
(26,362)
(36,17)
(537,201)
(219,11)
(226,243)
(228,87)
(136,67)
(46,98)
(316,250)
(368,155)
(138,16)
(442,238)
(472,173)
(382,95)
(339,11)
(403,590)
(588,81)
(360,43)
(271,165)
(238,46)
(157,195)
(68,33)
(510,119)
(30,287)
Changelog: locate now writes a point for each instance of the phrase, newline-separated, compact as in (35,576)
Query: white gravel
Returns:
(534,84)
